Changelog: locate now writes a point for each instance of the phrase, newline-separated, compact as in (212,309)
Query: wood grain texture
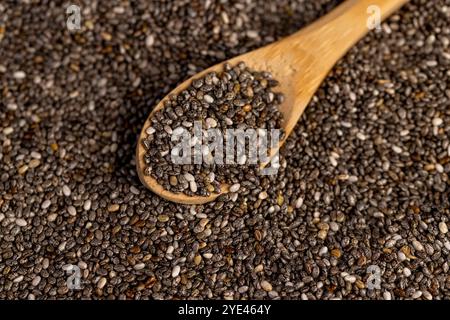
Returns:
(300,62)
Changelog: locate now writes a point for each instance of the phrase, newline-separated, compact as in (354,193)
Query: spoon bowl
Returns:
(299,62)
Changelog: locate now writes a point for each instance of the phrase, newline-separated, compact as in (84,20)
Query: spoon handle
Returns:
(308,55)
(333,35)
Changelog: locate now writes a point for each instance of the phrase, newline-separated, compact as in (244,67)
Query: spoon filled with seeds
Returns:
(228,122)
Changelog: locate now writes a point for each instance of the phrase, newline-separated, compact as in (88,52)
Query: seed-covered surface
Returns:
(362,192)
(236,99)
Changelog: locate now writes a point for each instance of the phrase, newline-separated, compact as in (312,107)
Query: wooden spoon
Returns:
(299,62)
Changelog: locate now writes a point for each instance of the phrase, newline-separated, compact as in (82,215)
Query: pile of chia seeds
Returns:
(359,208)
(237,98)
